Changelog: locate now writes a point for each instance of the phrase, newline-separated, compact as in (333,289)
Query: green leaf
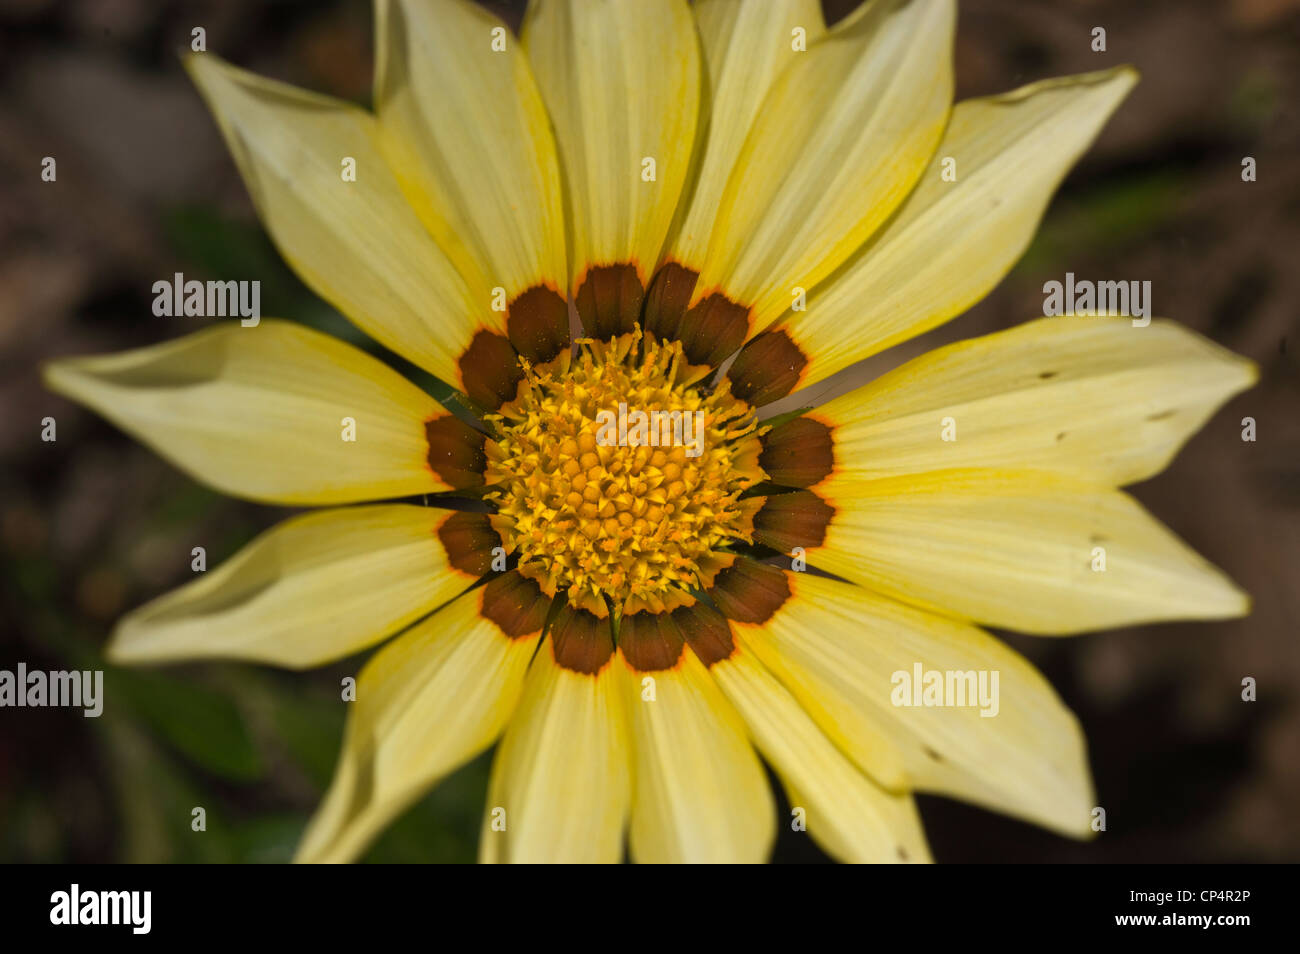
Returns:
(203,725)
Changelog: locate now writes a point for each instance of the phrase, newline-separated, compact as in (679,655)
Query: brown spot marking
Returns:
(468,539)
(798,453)
(709,332)
(767,369)
(515,604)
(713,329)
(537,323)
(796,519)
(750,592)
(707,631)
(609,301)
(455,451)
(650,642)
(932,753)
(580,642)
(490,371)
(667,300)
(1048,374)
(1061,436)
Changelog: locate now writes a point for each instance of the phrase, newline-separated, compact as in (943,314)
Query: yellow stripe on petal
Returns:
(561,781)
(309,590)
(465,131)
(840,649)
(621,81)
(1093,397)
(323,189)
(700,794)
(955,238)
(1029,551)
(426,703)
(265,413)
(846,813)
(839,142)
(746,47)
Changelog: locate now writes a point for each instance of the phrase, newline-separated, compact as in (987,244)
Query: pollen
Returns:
(618,475)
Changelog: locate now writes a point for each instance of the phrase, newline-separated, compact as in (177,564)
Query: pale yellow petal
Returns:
(954,239)
(265,413)
(839,142)
(561,781)
(311,589)
(426,703)
(699,792)
(1022,550)
(357,244)
(838,649)
(465,131)
(847,814)
(746,47)
(1097,398)
(621,81)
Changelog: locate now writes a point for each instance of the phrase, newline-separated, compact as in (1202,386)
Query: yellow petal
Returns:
(561,780)
(1093,397)
(358,244)
(465,131)
(265,413)
(426,703)
(839,142)
(846,813)
(700,793)
(621,82)
(953,241)
(311,589)
(746,47)
(1018,549)
(838,649)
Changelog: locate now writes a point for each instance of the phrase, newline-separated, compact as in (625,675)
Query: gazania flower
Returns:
(637,623)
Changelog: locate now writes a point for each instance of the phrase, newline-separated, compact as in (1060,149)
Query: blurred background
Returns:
(93,524)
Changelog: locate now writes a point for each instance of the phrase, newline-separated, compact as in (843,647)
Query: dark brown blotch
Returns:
(537,324)
(713,329)
(580,641)
(455,452)
(796,519)
(650,642)
(515,603)
(798,453)
(667,299)
(707,632)
(767,369)
(609,301)
(709,332)
(750,592)
(469,540)
(489,370)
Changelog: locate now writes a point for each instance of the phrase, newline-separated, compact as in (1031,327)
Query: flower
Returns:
(636,622)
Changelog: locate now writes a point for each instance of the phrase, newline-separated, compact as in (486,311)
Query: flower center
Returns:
(617,476)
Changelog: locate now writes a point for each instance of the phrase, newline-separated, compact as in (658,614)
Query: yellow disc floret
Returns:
(617,475)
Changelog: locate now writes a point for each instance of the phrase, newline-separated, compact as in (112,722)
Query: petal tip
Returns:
(67,377)
(1250,372)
